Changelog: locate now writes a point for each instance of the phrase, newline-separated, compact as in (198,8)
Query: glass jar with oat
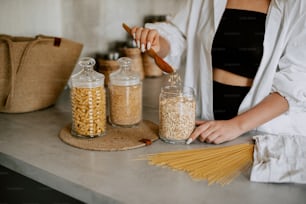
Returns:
(176,113)
(88,101)
(125,94)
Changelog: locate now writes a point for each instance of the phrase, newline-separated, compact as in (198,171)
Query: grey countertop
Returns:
(29,145)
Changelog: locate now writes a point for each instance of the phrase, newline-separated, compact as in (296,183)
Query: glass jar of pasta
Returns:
(88,101)
(125,94)
(176,113)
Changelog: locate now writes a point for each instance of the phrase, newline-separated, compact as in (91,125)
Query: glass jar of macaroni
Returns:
(88,101)
(125,95)
(176,113)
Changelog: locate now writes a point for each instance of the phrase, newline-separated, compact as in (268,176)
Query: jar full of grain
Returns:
(88,101)
(125,95)
(176,113)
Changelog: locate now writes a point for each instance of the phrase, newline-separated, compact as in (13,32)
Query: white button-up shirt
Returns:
(282,68)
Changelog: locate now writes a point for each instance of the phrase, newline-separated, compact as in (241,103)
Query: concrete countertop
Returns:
(29,145)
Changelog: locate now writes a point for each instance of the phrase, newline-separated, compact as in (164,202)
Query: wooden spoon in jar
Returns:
(158,60)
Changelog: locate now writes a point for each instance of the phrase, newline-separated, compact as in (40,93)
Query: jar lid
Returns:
(87,77)
(125,76)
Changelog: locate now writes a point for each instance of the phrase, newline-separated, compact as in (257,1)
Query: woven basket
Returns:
(34,71)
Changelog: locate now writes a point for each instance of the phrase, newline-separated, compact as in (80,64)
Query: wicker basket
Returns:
(34,71)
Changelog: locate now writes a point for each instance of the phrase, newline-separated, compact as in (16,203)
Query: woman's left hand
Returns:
(216,131)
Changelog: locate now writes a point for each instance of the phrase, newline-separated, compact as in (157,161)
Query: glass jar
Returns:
(176,113)
(88,101)
(125,94)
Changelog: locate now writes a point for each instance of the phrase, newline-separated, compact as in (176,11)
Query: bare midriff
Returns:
(228,78)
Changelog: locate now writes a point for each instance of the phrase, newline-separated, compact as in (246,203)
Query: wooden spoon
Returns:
(158,60)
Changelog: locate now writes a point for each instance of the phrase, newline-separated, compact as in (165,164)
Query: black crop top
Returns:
(238,43)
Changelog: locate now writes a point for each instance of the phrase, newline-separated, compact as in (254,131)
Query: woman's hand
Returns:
(146,38)
(218,131)
(215,131)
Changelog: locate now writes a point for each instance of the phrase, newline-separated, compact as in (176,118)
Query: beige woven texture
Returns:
(34,71)
(116,139)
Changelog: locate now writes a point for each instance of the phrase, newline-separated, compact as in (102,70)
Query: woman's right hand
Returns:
(146,38)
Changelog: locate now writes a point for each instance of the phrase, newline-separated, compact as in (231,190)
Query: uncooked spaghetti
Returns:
(216,165)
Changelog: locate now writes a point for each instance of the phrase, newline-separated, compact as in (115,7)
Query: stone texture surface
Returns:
(29,145)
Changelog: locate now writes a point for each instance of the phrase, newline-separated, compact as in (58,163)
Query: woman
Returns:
(266,71)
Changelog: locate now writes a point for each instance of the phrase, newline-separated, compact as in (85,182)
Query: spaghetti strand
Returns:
(216,165)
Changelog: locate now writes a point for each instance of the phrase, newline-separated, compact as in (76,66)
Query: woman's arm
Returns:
(219,131)
(271,107)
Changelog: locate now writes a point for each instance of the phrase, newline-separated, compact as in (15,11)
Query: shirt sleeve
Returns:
(174,31)
(279,159)
(290,78)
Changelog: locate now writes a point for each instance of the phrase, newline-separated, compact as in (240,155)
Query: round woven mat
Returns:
(115,139)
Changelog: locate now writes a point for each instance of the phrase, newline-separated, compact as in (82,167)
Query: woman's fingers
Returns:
(207,131)
(197,132)
(152,39)
(200,122)
(215,131)
(210,138)
(210,133)
(145,38)
(138,34)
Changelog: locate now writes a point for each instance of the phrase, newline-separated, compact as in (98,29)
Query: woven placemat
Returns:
(115,139)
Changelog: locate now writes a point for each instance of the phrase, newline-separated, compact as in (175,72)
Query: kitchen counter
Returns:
(29,145)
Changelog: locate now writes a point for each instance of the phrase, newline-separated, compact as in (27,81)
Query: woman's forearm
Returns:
(271,107)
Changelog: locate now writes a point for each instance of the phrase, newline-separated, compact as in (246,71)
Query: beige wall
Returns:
(95,23)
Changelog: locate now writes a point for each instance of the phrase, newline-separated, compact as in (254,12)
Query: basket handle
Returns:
(13,69)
